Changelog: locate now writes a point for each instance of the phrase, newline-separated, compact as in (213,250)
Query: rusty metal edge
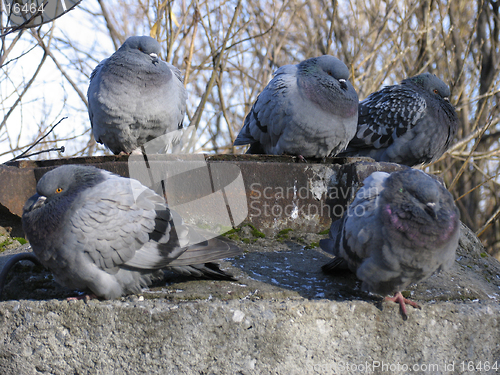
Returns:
(18,179)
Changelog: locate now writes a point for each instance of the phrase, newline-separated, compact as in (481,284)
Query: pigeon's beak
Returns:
(430,208)
(34,202)
(446,99)
(154,58)
(343,84)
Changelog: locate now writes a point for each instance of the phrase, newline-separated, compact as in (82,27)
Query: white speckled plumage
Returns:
(410,123)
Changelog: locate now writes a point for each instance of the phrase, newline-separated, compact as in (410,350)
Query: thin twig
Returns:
(473,135)
(464,165)
(191,47)
(5,52)
(218,58)
(115,36)
(25,89)
(18,57)
(23,154)
(61,69)
(478,186)
(488,222)
(60,149)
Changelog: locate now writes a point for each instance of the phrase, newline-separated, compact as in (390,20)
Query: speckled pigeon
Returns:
(134,97)
(400,229)
(308,110)
(411,123)
(109,234)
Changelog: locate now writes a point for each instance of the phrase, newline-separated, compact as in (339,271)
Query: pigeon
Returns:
(307,110)
(400,229)
(134,97)
(411,123)
(97,231)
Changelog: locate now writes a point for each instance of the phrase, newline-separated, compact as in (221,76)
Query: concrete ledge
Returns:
(242,337)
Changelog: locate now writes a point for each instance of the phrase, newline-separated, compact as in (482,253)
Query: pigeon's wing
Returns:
(352,236)
(361,230)
(178,97)
(92,89)
(120,225)
(386,115)
(203,248)
(332,243)
(271,112)
(176,71)
(97,69)
(198,258)
(116,219)
(178,244)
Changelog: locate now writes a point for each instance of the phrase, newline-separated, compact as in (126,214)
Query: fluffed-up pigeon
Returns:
(97,231)
(134,97)
(400,229)
(307,110)
(410,123)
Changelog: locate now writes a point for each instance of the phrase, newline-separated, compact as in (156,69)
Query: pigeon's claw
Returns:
(398,298)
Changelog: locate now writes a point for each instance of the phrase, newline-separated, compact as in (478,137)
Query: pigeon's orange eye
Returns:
(436,91)
(59,190)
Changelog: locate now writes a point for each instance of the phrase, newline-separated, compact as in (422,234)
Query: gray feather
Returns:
(99,231)
(309,109)
(134,97)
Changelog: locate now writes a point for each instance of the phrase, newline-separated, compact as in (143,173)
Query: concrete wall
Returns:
(244,337)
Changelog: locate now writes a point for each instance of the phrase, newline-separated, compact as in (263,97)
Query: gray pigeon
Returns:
(308,110)
(134,97)
(400,229)
(99,231)
(411,123)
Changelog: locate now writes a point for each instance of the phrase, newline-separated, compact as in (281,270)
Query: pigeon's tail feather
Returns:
(209,270)
(146,279)
(256,148)
(11,262)
(327,244)
(244,138)
(198,259)
(331,244)
(207,251)
(337,264)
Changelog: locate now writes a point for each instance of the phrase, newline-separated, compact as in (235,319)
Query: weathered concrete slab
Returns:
(245,337)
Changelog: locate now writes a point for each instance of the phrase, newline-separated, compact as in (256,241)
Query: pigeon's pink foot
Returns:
(86,297)
(398,298)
